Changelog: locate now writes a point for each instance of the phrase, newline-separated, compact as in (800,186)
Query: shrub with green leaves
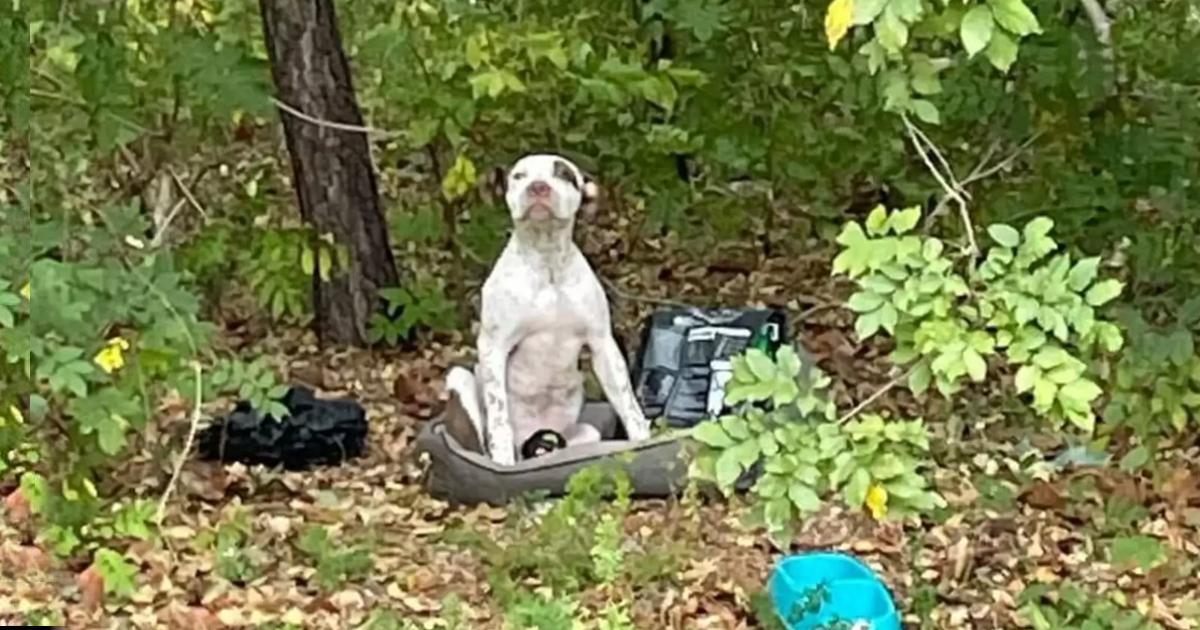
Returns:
(1157,379)
(784,420)
(1026,303)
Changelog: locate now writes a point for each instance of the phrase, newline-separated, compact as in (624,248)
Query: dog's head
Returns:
(543,187)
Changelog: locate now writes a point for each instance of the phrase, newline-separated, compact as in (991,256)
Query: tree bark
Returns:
(332,169)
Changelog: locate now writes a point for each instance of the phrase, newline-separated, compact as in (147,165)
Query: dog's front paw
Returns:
(638,432)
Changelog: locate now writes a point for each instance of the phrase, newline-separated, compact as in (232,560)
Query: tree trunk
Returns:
(332,170)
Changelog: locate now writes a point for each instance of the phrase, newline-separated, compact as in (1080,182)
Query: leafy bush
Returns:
(421,305)
(803,453)
(1157,379)
(1025,303)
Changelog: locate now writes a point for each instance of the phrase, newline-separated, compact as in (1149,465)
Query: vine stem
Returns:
(187,446)
(887,387)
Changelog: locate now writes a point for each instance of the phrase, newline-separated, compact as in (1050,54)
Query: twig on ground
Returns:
(187,445)
(321,122)
(188,193)
(162,230)
(632,297)
(887,387)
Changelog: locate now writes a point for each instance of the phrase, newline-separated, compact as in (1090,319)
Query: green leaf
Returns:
(1083,273)
(976,29)
(728,468)
(926,111)
(1104,292)
(888,466)
(1001,51)
(1026,377)
(804,498)
(788,361)
(865,11)
(760,364)
(711,433)
(1080,393)
(778,513)
(918,381)
(904,220)
(118,574)
(1144,552)
(855,492)
(976,366)
(1015,17)
(891,31)
(867,325)
(1005,235)
(1135,459)
(865,301)
(877,221)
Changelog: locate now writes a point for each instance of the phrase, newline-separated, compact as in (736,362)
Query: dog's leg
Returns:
(493,377)
(613,375)
(464,391)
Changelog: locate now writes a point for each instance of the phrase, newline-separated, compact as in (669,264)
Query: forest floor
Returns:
(1005,529)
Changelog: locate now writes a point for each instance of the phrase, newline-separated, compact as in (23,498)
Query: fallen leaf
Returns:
(91,587)
(16,507)
(1044,496)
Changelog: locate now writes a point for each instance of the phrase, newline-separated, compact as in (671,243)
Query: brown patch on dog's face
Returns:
(564,172)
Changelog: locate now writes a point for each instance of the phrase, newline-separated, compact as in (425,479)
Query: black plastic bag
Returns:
(315,432)
(682,364)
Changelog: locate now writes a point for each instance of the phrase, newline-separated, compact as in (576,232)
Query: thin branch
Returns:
(188,193)
(887,387)
(321,122)
(954,192)
(187,445)
(1101,24)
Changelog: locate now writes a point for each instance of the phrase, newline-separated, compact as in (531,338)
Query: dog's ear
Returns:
(498,182)
(592,198)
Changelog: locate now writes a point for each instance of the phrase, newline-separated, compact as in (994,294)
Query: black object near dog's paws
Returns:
(315,432)
(542,442)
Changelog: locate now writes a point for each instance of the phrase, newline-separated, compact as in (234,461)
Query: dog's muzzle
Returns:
(539,201)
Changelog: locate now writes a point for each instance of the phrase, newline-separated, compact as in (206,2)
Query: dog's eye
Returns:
(518,176)
(564,172)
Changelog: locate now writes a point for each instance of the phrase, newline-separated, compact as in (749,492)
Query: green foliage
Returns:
(1067,606)
(117,572)
(1025,303)
(421,305)
(1158,378)
(579,543)
(1143,552)
(534,611)
(254,382)
(806,454)
(335,562)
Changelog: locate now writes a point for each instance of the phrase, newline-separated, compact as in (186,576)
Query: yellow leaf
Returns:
(25,291)
(877,498)
(112,357)
(837,21)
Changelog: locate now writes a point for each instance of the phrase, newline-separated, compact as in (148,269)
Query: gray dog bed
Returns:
(656,467)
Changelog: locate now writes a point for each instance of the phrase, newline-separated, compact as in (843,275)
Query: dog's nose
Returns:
(539,189)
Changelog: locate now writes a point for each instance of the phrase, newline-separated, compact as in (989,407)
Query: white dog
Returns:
(542,303)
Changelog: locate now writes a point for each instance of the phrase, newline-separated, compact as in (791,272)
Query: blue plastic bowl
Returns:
(855,592)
